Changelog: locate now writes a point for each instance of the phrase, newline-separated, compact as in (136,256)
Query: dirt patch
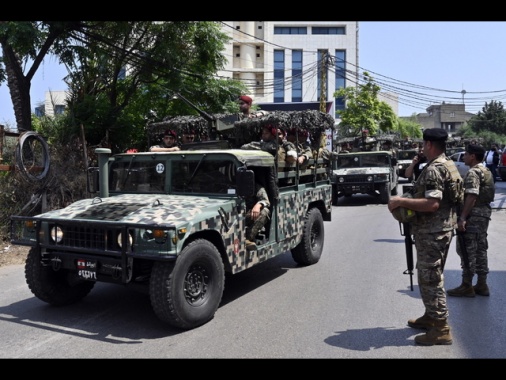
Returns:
(12,254)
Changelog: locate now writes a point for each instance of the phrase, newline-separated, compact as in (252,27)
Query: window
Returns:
(340,69)
(279,76)
(290,30)
(59,109)
(328,30)
(297,76)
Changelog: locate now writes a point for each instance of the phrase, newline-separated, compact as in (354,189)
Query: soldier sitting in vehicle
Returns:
(257,214)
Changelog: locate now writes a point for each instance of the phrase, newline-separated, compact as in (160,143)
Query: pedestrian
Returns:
(168,144)
(474,217)
(492,160)
(436,194)
(417,164)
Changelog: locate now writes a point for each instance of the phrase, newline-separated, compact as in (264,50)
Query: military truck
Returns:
(367,171)
(404,159)
(174,224)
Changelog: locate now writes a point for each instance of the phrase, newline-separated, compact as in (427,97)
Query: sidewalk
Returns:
(500,195)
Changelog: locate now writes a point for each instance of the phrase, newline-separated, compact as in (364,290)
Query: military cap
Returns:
(435,134)
(170,132)
(246,99)
(475,149)
(271,128)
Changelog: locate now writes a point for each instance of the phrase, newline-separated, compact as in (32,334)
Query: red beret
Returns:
(271,128)
(246,99)
(170,132)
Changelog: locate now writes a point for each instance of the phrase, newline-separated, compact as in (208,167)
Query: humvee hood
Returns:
(156,209)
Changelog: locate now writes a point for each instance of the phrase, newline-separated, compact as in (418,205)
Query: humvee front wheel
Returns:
(57,288)
(186,293)
(309,250)
(384,193)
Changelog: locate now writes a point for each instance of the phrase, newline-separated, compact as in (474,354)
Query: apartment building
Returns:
(54,104)
(293,61)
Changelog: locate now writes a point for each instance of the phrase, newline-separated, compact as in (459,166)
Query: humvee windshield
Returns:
(406,154)
(182,175)
(350,160)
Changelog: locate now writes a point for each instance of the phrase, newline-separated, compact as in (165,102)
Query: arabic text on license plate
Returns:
(87,269)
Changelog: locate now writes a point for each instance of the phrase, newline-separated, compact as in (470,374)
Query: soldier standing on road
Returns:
(479,191)
(414,168)
(436,195)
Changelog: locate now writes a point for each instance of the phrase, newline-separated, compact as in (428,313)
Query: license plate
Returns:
(87,269)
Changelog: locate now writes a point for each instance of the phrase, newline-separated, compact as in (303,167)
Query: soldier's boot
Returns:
(481,287)
(424,322)
(439,334)
(464,290)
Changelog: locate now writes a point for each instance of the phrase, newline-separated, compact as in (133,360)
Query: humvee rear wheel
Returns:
(57,288)
(309,250)
(186,293)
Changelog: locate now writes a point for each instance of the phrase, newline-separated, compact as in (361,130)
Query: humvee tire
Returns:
(385,193)
(186,293)
(57,288)
(310,248)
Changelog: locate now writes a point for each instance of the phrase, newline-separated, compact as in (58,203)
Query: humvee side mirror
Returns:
(245,182)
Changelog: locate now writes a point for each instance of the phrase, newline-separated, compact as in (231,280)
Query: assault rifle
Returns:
(405,229)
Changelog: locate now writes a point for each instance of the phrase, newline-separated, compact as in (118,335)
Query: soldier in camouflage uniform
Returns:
(304,150)
(436,193)
(257,215)
(268,142)
(479,191)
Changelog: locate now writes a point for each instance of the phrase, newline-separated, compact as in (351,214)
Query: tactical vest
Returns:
(487,188)
(453,191)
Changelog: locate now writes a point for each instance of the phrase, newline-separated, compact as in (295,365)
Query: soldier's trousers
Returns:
(253,227)
(431,253)
(476,242)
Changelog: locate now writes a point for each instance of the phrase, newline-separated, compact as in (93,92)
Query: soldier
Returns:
(436,195)
(304,151)
(245,103)
(169,143)
(479,191)
(286,150)
(268,142)
(257,214)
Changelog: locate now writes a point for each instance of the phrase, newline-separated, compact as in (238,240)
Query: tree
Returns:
(364,111)
(489,125)
(24,45)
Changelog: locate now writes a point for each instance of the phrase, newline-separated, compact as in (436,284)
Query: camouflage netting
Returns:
(245,130)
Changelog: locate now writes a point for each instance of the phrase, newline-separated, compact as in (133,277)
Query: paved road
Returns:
(354,303)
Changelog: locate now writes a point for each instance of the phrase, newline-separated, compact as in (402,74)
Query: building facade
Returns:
(293,61)
(450,117)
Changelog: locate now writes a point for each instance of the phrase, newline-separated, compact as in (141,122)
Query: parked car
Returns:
(458,158)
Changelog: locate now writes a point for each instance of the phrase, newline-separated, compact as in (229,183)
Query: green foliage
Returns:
(410,128)
(488,124)
(364,111)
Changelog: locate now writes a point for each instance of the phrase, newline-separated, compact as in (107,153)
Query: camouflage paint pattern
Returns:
(478,181)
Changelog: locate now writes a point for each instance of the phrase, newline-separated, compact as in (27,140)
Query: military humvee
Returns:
(173,223)
(367,171)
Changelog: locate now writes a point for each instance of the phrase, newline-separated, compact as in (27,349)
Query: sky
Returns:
(424,62)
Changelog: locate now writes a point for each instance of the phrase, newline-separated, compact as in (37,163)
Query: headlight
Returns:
(341,179)
(56,234)
(130,240)
(158,235)
(370,178)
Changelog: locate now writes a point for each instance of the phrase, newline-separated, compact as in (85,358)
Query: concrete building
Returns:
(293,61)
(450,117)
(54,104)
